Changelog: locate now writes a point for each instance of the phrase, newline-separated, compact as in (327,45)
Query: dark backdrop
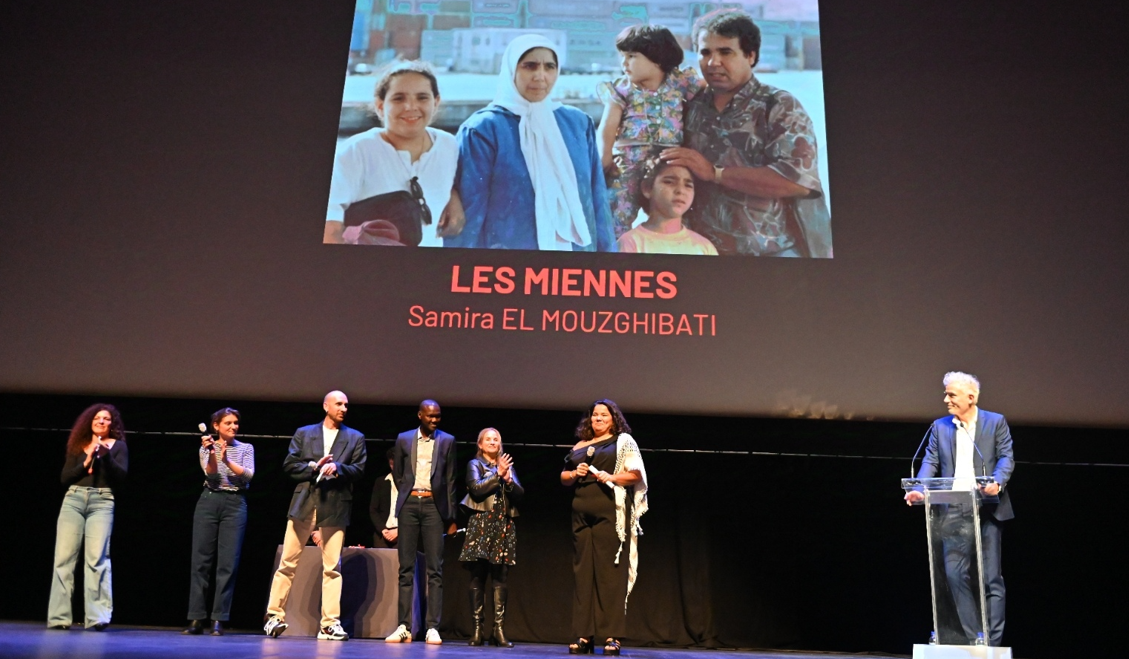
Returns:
(762,533)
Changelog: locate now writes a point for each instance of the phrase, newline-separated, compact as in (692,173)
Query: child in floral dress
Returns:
(642,109)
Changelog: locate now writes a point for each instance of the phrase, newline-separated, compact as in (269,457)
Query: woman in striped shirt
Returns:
(220,519)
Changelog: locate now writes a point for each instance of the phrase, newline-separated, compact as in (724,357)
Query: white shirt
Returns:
(425,448)
(328,436)
(964,466)
(367,166)
(392,522)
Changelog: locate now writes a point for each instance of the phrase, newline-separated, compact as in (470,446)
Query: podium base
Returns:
(960,652)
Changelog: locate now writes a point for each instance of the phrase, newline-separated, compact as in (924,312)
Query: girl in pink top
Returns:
(666,193)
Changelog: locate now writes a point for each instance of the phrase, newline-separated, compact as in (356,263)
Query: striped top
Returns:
(242,454)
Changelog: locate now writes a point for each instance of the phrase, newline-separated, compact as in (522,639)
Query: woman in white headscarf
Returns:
(529,173)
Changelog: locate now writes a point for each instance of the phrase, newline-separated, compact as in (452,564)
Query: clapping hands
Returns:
(327,468)
(505,467)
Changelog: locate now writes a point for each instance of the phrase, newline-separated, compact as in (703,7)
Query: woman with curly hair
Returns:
(97,461)
(610,495)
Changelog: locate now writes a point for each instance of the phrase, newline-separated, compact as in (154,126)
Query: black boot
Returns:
(477,603)
(500,593)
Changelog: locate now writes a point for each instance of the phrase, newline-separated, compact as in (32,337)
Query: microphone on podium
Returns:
(915,453)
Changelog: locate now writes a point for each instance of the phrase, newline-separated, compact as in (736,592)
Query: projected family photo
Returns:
(660,127)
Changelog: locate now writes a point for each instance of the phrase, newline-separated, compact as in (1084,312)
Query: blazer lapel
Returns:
(412,463)
(318,444)
(339,444)
(981,444)
(950,448)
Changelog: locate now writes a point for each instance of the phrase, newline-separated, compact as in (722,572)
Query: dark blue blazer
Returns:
(331,498)
(442,471)
(993,438)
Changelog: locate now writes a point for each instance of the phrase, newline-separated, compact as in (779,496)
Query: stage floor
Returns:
(33,640)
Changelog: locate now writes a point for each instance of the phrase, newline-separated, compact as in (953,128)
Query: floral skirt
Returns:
(490,536)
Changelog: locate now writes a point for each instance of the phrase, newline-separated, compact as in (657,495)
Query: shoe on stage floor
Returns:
(194,628)
(274,627)
(611,647)
(332,633)
(217,628)
(581,646)
(401,635)
(433,637)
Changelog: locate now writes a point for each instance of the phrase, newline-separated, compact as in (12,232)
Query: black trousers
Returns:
(217,539)
(420,523)
(960,552)
(598,606)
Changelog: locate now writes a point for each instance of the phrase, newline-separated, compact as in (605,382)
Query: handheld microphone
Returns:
(204,429)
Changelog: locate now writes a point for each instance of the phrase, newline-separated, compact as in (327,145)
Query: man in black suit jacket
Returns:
(325,459)
(380,508)
(423,466)
(972,442)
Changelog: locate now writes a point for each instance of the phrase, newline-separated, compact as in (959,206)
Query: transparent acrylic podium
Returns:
(952,528)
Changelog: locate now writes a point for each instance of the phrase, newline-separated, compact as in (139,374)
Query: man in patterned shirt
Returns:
(753,147)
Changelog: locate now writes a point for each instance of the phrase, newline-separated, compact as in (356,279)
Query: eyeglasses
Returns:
(417,194)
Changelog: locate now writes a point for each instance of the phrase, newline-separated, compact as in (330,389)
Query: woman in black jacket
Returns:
(491,540)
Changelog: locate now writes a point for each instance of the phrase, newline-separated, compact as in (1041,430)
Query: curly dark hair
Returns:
(731,24)
(654,42)
(619,424)
(81,434)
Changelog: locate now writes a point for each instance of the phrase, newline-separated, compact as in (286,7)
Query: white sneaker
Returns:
(332,633)
(433,637)
(274,627)
(401,635)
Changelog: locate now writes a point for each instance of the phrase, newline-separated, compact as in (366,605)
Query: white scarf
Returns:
(558,212)
(628,458)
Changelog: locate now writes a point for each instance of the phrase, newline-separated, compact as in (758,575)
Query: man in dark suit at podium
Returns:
(424,470)
(325,459)
(972,442)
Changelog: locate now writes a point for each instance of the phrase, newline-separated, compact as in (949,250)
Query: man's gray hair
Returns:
(957,377)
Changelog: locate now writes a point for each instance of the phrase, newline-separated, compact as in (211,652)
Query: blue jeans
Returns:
(217,539)
(86,518)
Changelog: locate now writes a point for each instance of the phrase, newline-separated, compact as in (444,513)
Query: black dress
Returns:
(491,534)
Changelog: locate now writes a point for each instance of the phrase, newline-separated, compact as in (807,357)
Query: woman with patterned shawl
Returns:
(606,471)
